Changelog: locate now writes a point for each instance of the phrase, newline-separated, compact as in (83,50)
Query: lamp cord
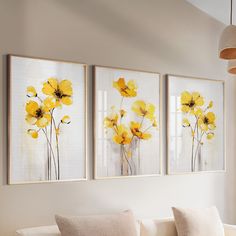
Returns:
(231,12)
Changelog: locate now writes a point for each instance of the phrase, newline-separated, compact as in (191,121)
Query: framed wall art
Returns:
(127,123)
(196,125)
(46,120)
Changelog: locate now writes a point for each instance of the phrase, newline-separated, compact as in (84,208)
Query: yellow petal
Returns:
(204,127)
(48,89)
(138,107)
(66,120)
(66,87)
(43,122)
(154,124)
(66,101)
(120,83)
(33,133)
(210,104)
(210,135)
(50,103)
(199,101)
(185,97)
(117,139)
(31,91)
(146,136)
(150,111)
(211,117)
(195,95)
(53,82)
(198,112)
(186,122)
(31,107)
(185,109)
(30,119)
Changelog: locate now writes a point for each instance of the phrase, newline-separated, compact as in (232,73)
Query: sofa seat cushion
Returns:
(51,230)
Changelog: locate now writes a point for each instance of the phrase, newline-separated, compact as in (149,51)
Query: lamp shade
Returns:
(232,67)
(227,43)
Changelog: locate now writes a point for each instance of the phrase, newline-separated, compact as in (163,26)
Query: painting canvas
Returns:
(127,123)
(196,129)
(47,120)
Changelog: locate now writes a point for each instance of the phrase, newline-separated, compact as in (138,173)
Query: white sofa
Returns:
(154,227)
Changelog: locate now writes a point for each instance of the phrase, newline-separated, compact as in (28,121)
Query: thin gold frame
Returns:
(168,125)
(96,177)
(9,96)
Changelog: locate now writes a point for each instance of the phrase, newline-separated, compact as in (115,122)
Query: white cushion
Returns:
(198,222)
(122,224)
(163,227)
(51,230)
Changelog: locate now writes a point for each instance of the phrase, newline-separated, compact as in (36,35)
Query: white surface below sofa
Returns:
(154,227)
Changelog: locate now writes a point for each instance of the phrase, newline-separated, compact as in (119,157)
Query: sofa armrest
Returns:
(230,230)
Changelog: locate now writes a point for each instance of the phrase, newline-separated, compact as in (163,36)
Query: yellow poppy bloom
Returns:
(210,136)
(126,90)
(186,122)
(111,120)
(33,133)
(122,136)
(144,109)
(31,92)
(210,104)
(207,121)
(61,91)
(66,120)
(154,124)
(135,128)
(190,101)
(37,115)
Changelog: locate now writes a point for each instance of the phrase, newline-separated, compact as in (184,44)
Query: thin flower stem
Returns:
(121,160)
(48,158)
(39,98)
(51,137)
(57,146)
(121,104)
(51,151)
(127,161)
(198,145)
(139,157)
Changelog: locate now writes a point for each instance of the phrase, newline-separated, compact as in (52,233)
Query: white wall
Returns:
(169,36)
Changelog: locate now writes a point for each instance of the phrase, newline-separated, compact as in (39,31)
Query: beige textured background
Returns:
(169,36)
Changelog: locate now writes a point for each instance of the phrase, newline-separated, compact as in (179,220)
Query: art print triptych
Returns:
(47,122)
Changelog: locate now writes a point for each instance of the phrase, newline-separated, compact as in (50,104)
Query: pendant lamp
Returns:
(232,67)
(227,43)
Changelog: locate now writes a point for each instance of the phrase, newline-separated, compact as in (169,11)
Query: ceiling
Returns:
(219,9)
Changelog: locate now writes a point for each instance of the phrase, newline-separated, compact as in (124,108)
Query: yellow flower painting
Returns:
(195,125)
(131,123)
(40,115)
(47,122)
(204,123)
